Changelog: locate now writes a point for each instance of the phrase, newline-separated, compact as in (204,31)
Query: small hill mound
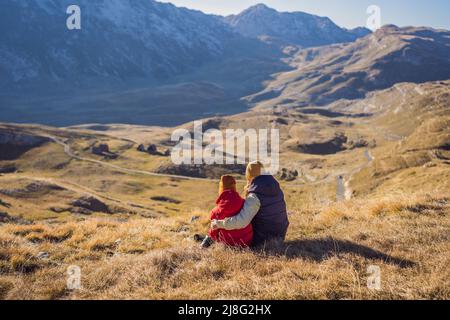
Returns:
(13,144)
(201,171)
(87,205)
(330,146)
(35,189)
(432,134)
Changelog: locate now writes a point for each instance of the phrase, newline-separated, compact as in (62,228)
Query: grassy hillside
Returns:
(326,256)
(379,199)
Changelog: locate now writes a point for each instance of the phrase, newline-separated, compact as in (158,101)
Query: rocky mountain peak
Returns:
(291,28)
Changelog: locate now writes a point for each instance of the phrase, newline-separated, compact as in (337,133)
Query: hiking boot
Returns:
(206,243)
(199,238)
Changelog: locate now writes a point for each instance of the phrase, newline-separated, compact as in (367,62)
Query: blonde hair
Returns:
(254,170)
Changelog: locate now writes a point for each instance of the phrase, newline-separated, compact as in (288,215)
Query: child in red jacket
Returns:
(229,204)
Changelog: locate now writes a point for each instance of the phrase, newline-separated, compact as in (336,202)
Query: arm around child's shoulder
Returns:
(244,218)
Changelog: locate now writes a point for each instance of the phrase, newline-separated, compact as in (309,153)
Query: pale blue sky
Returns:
(346,13)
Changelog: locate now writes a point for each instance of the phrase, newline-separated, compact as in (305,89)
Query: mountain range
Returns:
(291,28)
(391,55)
(142,61)
(134,41)
(120,41)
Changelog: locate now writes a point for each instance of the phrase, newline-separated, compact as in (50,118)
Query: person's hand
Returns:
(216,224)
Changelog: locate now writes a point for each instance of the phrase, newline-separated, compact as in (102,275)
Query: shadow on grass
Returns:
(321,249)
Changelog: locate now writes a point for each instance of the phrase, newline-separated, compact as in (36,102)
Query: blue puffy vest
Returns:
(271,221)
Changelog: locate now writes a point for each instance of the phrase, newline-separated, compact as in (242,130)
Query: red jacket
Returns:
(230,204)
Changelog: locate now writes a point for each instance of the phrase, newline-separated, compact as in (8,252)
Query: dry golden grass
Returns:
(325,256)
(398,219)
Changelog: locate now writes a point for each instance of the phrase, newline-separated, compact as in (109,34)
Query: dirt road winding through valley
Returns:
(72,155)
(344,192)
